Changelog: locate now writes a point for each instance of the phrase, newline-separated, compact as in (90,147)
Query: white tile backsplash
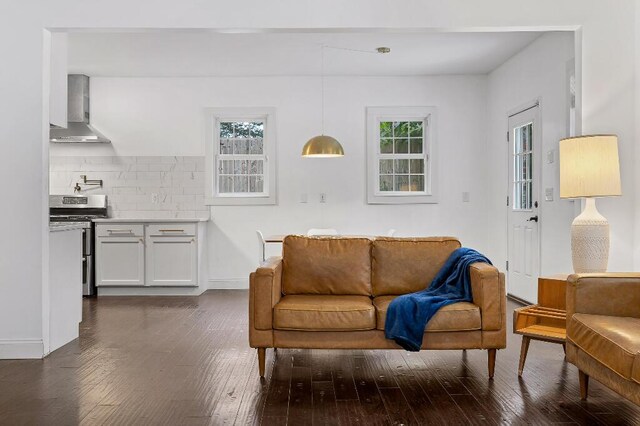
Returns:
(137,187)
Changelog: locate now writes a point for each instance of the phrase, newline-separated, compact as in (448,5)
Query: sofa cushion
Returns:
(635,372)
(462,316)
(320,265)
(612,341)
(324,313)
(407,265)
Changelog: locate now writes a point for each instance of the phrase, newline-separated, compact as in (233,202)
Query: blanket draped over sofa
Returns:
(407,315)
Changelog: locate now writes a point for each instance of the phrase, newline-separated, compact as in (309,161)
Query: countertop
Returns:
(143,220)
(62,226)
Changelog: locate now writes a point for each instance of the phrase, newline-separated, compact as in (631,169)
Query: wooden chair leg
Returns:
(523,353)
(492,362)
(261,360)
(584,385)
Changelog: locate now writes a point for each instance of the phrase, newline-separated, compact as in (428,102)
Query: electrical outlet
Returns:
(465,197)
(323,197)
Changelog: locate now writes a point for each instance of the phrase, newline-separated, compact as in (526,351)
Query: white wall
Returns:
(537,72)
(606,54)
(163,116)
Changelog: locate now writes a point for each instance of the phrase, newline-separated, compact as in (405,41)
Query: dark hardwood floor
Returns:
(170,360)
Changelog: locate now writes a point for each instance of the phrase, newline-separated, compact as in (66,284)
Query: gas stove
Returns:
(81,210)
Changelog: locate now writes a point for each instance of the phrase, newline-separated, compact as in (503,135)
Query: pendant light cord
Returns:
(322,82)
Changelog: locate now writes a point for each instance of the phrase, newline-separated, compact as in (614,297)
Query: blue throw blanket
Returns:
(407,315)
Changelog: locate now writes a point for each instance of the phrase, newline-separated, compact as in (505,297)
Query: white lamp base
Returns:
(590,240)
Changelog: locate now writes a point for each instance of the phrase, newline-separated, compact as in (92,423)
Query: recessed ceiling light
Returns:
(383,49)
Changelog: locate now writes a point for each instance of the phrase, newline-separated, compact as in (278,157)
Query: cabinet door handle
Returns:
(120,231)
(171,230)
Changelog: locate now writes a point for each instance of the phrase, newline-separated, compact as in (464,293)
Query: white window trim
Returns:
(212,118)
(374,116)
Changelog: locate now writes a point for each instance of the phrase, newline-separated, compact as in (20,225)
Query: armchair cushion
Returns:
(462,316)
(613,341)
(324,313)
(635,372)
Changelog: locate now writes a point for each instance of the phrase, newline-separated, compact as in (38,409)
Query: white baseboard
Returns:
(228,283)
(150,291)
(21,349)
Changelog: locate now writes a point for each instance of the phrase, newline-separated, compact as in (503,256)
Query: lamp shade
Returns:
(322,146)
(589,166)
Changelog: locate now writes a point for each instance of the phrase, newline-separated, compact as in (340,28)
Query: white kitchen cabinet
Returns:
(120,261)
(150,257)
(172,260)
(58,80)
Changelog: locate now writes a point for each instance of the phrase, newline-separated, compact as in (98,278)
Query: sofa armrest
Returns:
(614,294)
(487,286)
(265,290)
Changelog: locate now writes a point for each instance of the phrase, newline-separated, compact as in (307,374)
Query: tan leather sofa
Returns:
(603,331)
(332,292)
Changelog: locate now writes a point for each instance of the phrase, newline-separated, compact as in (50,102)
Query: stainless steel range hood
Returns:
(78,128)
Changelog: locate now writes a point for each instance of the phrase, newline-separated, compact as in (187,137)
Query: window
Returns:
(400,147)
(523,167)
(240,156)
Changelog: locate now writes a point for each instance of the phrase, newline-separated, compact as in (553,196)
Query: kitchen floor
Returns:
(186,360)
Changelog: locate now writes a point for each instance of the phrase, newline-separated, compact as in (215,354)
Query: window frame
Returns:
(212,119)
(376,115)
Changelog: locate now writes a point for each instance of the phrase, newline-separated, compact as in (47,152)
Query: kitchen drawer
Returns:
(120,230)
(171,229)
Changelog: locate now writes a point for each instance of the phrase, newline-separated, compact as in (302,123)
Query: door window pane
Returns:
(523,167)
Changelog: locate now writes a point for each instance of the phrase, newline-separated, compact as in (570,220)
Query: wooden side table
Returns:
(546,321)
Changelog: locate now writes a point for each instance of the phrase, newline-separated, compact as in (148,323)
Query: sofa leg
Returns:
(584,385)
(492,362)
(261,360)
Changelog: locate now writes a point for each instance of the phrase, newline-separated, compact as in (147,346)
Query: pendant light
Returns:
(322,146)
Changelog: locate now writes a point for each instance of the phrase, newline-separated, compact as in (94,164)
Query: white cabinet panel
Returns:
(172,261)
(120,261)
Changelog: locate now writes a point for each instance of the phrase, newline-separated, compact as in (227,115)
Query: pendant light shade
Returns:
(322,147)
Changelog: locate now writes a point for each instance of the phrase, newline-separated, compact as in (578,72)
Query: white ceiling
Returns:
(203,53)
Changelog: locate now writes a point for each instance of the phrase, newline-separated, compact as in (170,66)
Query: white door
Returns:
(172,261)
(523,219)
(120,261)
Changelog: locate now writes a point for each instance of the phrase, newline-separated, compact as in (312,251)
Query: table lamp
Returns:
(589,168)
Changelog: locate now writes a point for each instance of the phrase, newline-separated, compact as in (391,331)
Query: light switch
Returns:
(548,194)
(323,197)
(465,197)
(303,197)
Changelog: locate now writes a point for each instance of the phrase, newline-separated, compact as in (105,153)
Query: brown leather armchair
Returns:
(603,331)
(333,293)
